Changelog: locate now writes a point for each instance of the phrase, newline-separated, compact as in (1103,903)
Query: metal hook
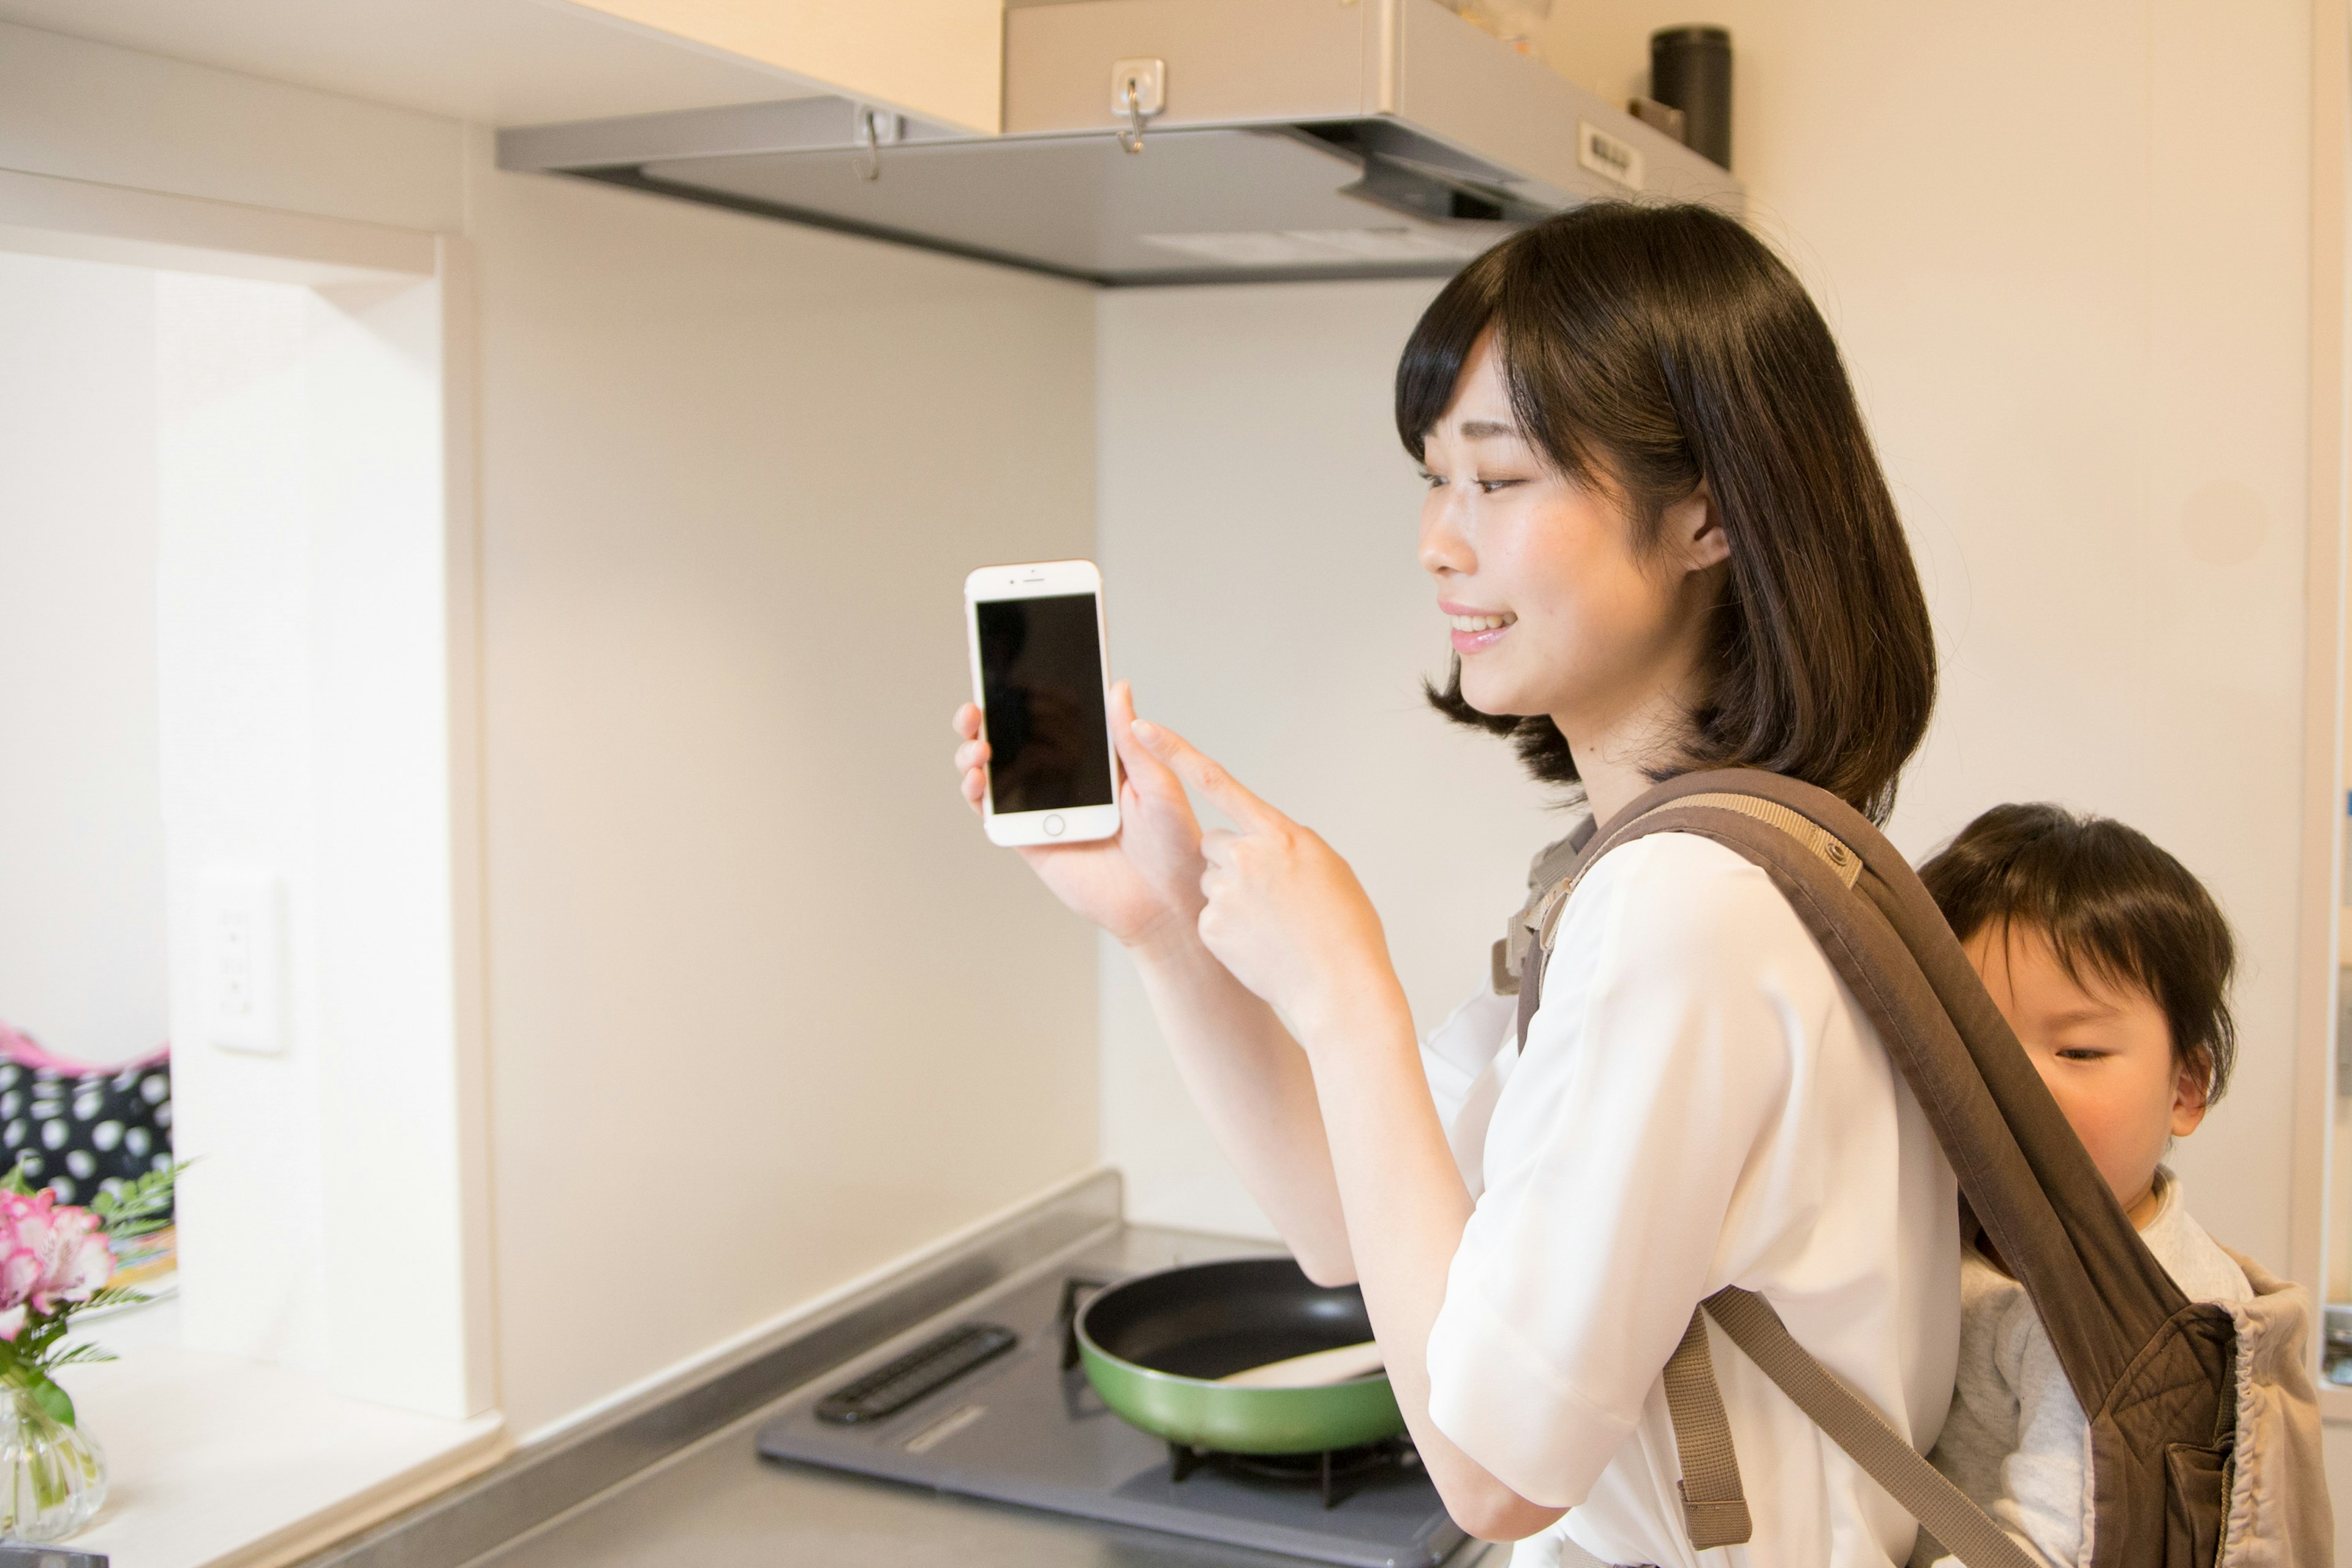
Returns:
(869,165)
(1131,136)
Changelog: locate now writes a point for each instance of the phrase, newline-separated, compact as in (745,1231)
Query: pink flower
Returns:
(75,1262)
(20,1265)
(50,1253)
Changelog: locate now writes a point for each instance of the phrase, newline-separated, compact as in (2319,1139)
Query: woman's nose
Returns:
(1442,547)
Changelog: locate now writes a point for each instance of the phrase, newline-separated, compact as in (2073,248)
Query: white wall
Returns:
(82,822)
(238,695)
(767,1010)
(2075,315)
(306,738)
(767,1013)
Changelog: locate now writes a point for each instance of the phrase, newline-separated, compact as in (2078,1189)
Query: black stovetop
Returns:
(1021,1428)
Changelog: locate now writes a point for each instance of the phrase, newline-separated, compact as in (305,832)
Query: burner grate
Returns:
(1075,1288)
(1337,1474)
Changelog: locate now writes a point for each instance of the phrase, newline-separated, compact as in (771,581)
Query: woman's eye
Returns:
(1431,480)
(1488,487)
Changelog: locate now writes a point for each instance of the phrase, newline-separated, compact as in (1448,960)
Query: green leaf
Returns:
(116,1296)
(139,1208)
(40,1328)
(52,1399)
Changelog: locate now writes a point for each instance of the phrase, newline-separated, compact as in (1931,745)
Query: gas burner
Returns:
(1336,1473)
(1075,1288)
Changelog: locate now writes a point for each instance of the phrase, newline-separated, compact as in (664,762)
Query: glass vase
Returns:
(52,1475)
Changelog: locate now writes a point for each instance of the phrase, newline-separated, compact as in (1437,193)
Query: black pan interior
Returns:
(1210,1319)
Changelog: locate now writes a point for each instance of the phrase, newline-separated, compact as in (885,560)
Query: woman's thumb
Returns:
(1134,739)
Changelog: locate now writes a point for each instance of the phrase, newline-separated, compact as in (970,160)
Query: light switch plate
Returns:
(243,940)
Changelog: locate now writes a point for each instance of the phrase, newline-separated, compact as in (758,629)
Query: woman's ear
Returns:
(1692,530)
(2192,1083)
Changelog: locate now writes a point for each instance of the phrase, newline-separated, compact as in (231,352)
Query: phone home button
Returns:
(1052,825)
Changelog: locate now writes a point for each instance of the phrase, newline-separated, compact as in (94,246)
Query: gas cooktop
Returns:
(990,1406)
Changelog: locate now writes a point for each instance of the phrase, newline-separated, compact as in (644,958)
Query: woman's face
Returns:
(1553,610)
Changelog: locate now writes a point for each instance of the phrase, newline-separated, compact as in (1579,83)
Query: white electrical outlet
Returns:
(243,937)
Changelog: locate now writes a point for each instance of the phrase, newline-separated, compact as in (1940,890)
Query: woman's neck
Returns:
(1611,785)
(1620,749)
(1618,761)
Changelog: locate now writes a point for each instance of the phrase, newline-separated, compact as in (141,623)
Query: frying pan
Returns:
(1155,1345)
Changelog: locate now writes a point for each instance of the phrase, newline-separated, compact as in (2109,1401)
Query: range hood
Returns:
(1272,139)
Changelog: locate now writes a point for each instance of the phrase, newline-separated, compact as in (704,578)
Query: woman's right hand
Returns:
(1143,886)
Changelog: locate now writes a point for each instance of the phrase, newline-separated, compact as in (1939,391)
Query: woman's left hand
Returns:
(1285,914)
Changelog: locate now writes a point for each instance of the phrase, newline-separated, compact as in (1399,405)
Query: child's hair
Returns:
(1648,350)
(2107,898)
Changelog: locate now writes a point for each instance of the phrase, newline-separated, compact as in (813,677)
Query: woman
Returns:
(1657,524)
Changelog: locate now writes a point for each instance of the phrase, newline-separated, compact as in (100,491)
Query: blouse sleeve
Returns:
(1465,1062)
(1679,995)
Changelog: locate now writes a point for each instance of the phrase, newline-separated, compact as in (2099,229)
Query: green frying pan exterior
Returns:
(1208,1414)
(1244,1420)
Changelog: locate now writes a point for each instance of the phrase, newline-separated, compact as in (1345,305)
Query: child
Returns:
(2113,965)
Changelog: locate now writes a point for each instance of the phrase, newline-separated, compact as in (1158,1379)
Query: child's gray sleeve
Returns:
(2001,1390)
(2044,1496)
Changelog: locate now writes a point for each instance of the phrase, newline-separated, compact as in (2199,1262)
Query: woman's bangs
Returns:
(1440,346)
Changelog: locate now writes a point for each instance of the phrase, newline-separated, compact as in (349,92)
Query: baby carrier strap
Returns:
(2153,1371)
(1885,1454)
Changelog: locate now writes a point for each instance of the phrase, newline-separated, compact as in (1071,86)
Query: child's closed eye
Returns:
(2082,1054)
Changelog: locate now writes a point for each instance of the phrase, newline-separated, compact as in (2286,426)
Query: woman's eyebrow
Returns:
(1484,429)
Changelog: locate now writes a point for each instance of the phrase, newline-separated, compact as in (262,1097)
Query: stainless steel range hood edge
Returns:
(1303,140)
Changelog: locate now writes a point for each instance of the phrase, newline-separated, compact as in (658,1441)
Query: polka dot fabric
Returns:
(79,1135)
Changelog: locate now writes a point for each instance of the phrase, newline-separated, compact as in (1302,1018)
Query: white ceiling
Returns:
(500,62)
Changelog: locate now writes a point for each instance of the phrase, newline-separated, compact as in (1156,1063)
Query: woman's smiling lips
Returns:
(1473,628)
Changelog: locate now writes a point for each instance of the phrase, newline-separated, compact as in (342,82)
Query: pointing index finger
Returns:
(1205,774)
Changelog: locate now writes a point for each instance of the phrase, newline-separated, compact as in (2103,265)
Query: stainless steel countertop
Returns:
(718,1504)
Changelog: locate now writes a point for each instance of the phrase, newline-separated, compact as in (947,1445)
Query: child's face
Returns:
(2105,1052)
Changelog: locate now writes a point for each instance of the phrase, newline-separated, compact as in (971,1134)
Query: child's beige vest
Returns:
(2204,1425)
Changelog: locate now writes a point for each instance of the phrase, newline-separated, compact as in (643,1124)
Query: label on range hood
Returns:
(1319,246)
(1607,156)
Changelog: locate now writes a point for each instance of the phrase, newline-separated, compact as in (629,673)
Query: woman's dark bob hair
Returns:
(1652,348)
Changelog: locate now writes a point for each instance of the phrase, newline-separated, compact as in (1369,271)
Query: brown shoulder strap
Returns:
(1553,866)
(1715,1509)
(1885,1454)
(2026,1176)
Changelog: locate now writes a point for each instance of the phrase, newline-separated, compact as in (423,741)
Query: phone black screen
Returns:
(1041,681)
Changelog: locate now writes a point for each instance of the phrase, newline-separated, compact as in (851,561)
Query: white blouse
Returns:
(1701,1103)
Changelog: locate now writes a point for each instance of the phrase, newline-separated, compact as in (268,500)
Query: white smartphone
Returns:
(1042,683)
